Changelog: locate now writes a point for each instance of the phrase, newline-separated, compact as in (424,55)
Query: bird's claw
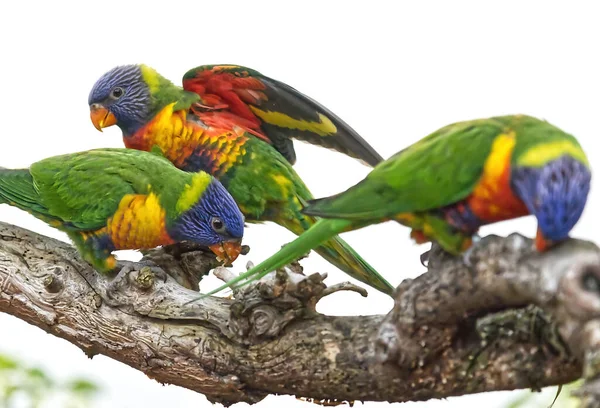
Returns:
(466,257)
(147,272)
(425,258)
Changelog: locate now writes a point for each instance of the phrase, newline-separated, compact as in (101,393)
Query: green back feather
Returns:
(84,189)
(443,168)
(539,142)
(429,174)
(164,92)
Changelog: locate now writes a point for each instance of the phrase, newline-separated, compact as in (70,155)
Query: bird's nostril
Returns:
(95,106)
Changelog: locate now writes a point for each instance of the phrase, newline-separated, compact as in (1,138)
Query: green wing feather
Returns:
(81,189)
(439,170)
(84,189)
(165,92)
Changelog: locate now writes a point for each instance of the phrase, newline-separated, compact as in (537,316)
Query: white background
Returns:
(392,71)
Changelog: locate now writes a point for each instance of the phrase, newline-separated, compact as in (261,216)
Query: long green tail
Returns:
(339,253)
(319,232)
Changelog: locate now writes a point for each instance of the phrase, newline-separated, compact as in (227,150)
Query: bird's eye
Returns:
(218,225)
(117,92)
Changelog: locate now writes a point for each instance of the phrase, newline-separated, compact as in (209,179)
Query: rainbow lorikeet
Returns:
(112,199)
(455,180)
(154,113)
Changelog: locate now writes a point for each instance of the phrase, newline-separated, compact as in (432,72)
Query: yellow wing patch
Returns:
(221,67)
(495,167)
(324,127)
(150,77)
(193,191)
(138,223)
(497,161)
(545,152)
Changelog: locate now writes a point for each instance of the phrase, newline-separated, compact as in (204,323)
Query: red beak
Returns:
(101,117)
(228,251)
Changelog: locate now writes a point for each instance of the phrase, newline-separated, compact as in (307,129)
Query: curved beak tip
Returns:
(101,117)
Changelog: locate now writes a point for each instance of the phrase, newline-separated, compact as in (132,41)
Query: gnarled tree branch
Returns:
(454,330)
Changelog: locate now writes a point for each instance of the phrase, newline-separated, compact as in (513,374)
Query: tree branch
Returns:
(454,330)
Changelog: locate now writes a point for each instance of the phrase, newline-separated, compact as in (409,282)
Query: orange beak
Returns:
(227,251)
(101,117)
(541,243)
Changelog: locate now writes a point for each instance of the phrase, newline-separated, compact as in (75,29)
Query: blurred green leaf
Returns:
(10,390)
(35,386)
(7,363)
(82,386)
(37,375)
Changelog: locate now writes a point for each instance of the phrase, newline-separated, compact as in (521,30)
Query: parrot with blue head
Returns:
(115,199)
(156,115)
(455,180)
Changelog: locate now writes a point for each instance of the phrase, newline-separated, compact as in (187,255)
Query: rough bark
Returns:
(454,330)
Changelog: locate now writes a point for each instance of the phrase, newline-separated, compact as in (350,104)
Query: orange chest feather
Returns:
(492,199)
(171,132)
(179,139)
(139,222)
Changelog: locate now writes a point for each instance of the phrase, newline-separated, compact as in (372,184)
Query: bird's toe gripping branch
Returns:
(142,275)
(261,309)
(508,289)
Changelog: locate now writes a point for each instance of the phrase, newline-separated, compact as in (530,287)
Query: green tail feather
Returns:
(340,254)
(321,231)
(17,189)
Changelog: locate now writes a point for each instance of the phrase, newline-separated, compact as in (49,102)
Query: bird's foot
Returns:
(140,274)
(431,258)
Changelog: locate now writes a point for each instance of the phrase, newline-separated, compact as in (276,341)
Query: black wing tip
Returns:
(372,159)
(349,141)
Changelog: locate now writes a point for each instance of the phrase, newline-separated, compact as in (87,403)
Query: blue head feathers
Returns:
(555,193)
(214,221)
(123,93)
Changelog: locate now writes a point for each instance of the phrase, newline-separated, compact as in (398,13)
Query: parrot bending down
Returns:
(112,199)
(154,114)
(455,180)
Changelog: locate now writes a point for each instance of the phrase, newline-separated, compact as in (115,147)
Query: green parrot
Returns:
(154,114)
(448,184)
(113,199)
